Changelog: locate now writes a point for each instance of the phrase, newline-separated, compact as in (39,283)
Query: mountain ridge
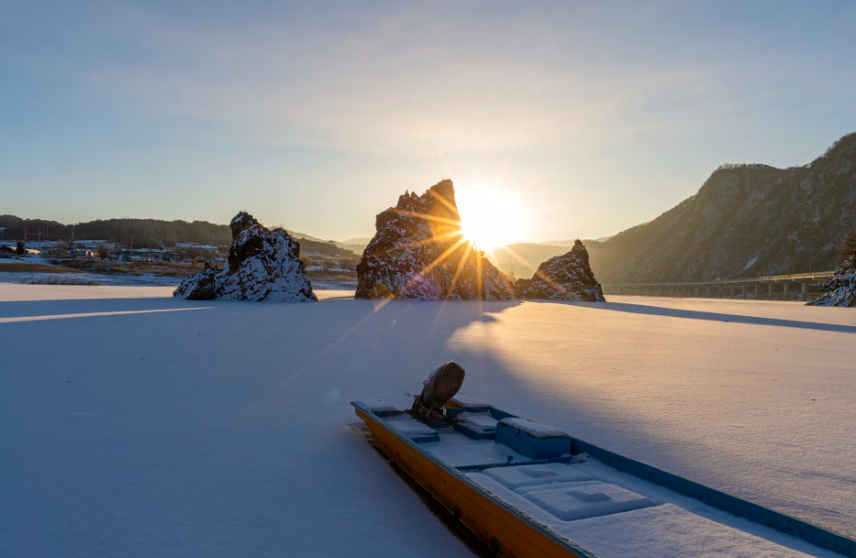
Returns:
(746,220)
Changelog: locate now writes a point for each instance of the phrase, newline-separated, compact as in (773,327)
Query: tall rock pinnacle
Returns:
(419,252)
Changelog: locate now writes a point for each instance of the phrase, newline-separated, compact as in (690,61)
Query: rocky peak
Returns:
(241,222)
(418,252)
(262,265)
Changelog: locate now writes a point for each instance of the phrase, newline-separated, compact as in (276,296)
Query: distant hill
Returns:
(560,243)
(144,233)
(326,247)
(356,245)
(745,221)
(319,246)
(521,260)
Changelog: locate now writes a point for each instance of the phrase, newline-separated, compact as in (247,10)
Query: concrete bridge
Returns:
(769,287)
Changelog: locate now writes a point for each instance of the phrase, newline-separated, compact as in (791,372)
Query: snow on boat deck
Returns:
(589,505)
(133,431)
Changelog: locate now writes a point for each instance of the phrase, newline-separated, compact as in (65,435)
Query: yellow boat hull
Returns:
(503,531)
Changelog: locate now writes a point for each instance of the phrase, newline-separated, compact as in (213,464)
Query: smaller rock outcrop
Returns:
(566,277)
(419,252)
(840,290)
(263,265)
(202,286)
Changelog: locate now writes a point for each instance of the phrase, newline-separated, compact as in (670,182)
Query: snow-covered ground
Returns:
(133,424)
(62,277)
(88,279)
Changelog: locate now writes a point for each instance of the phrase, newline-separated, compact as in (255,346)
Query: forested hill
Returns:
(140,233)
(745,221)
(136,232)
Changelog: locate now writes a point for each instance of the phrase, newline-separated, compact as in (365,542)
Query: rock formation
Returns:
(263,265)
(567,277)
(418,252)
(840,290)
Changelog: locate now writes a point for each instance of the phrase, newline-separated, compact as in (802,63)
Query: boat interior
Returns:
(546,476)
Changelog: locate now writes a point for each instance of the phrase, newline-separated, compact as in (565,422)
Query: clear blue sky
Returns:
(317,115)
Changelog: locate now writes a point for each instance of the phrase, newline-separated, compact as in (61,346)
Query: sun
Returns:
(490,217)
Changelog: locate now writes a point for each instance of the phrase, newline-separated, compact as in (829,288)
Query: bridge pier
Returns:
(785,292)
(804,296)
(769,291)
(744,292)
(757,290)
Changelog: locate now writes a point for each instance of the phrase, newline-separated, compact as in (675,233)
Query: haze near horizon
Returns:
(590,119)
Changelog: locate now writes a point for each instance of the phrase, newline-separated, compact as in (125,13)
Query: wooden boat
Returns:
(530,490)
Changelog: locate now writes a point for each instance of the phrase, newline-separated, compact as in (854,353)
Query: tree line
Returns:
(141,233)
(137,233)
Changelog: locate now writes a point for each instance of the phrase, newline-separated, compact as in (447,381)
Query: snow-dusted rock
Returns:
(840,290)
(263,265)
(567,277)
(418,253)
(202,286)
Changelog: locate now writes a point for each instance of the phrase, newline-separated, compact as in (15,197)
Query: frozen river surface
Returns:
(133,424)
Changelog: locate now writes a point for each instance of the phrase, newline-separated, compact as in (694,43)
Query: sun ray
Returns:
(434,239)
(415,244)
(439,259)
(540,274)
(515,255)
(443,303)
(444,201)
(479,278)
(508,284)
(293,375)
(552,283)
(427,217)
(461,264)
